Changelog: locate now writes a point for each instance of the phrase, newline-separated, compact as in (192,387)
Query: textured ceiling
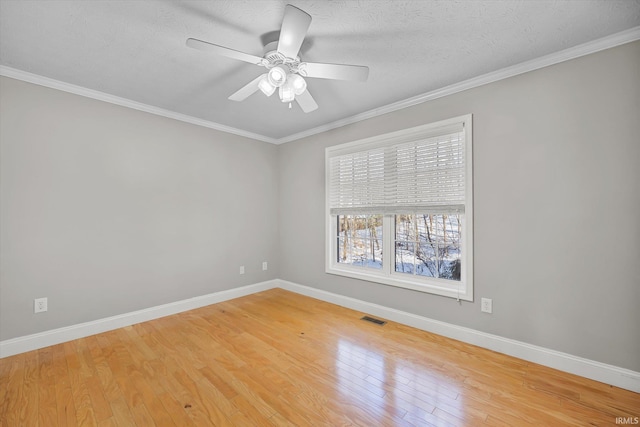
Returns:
(136,49)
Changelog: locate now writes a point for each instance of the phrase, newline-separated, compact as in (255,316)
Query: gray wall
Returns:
(557,203)
(106,210)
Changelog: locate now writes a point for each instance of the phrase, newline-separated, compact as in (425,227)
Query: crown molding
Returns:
(594,46)
(124,102)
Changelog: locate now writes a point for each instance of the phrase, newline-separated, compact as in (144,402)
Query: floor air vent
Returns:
(373,320)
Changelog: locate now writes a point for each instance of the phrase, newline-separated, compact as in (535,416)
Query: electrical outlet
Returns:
(242,269)
(486,305)
(264,266)
(39,305)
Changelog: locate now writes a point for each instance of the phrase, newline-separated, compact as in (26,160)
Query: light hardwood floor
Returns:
(279,358)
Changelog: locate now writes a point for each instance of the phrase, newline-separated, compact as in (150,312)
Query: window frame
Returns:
(461,290)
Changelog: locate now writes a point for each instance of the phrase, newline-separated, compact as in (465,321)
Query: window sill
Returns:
(426,285)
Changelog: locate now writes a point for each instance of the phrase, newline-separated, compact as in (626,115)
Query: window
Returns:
(360,240)
(428,245)
(399,209)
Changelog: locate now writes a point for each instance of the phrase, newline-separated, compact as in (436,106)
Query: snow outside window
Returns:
(360,240)
(399,209)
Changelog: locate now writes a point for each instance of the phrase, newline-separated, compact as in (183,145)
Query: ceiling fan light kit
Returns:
(286,93)
(286,70)
(277,76)
(264,85)
(298,83)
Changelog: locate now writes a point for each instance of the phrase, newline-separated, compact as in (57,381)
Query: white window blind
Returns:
(425,173)
(357,182)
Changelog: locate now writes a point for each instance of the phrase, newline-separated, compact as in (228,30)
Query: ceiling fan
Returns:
(286,71)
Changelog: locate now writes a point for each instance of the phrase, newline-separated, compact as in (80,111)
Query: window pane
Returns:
(449,247)
(448,263)
(405,227)
(436,242)
(405,256)
(360,240)
(427,260)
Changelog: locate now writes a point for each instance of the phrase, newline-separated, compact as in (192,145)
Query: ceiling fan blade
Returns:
(335,71)
(294,28)
(246,90)
(224,51)
(306,102)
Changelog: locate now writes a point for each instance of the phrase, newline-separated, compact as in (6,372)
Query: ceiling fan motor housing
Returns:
(274,58)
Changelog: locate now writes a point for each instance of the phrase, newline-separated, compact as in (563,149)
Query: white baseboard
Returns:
(608,374)
(56,336)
